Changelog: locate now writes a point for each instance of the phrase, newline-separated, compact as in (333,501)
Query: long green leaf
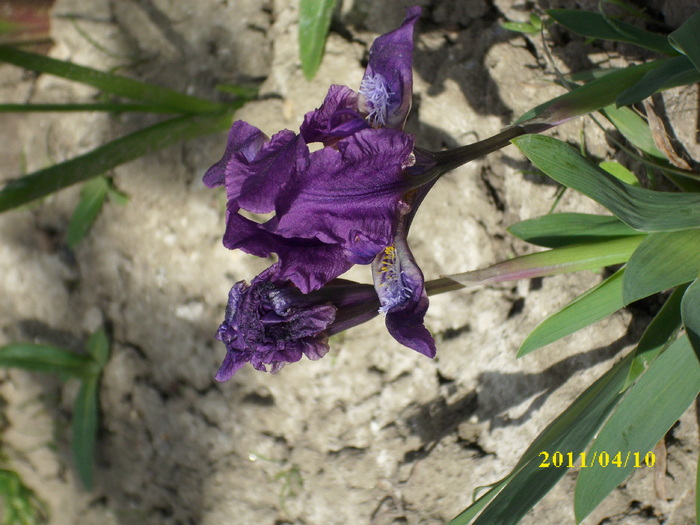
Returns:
(564,229)
(85,422)
(45,358)
(570,432)
(649,409)
(634,128)
(642,209)
(92,196)
(109,83)
(594,305)
(108,156)
(685,39)
(593,25)
(314,21)
(662,261)
(588,256)
(660,334)
(594,95)
(99,106)
(673,72)
(690,311)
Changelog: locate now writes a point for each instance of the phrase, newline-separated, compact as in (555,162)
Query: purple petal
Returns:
(255,170)
(399,284)
(267,324)
(337,117)
(350,196)
(244,140)
(308,263)
(255,184)
(387,87)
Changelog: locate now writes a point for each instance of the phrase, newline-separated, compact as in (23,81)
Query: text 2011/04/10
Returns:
(600,458)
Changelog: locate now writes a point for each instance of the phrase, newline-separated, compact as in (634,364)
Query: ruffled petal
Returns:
(244,140)
(349,196)
(308,263)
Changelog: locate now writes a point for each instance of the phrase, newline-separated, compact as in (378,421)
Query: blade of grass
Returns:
(45,358)
(314,21)
(92,196)
(156,96)
(106,157)
(649,409)
(642,209)
(106,106)
(593,25)
(564,229)
(98,347)
(662,261)
(85,423)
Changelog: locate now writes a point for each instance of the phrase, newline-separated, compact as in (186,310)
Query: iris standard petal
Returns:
(387,87)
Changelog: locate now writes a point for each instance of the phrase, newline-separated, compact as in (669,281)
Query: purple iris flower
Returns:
(350,202)
(270,322)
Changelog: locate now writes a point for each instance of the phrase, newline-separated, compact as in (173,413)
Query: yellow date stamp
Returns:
(597,458)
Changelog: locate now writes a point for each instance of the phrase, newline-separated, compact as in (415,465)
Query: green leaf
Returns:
(98,347)
(85,422)
(596,94)
(108,156)
(570,432)
(673,72)
(660,334)
(564,229)
(634,128)
(314,21)
(567,259)
(649,409)
(594,305)
(45,358)
(662,261)
(618,171)
(593,25)
(110,107)
(157,97)
(642,209)
(685,39)
(690,311)
(92,196)
(521,27)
